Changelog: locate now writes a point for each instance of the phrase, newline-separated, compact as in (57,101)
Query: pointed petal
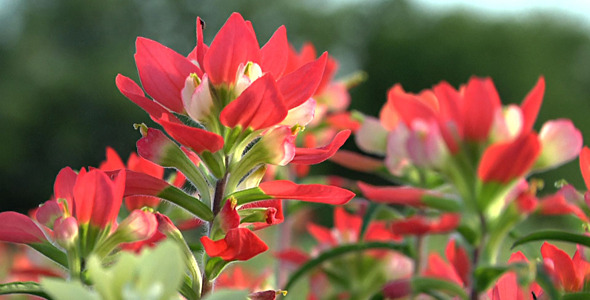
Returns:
(63,188)
(113,161)
(143,184)
(134,93)
(238,244)
(321,234)
(309,156)
(458,258)
(234,44)
(259,106)
(409,107)
(274,54)
(393,194)
(18,228)
(199,51)
(197,139)
(481,103)
(299,85)
(292,255)
(139,164)
(95,197)
(348,225)
(561,142)
(556,204)
(507,161)
(162,72)
(355,161)
(564,270)
(284,189)
(531,105)
(438,268)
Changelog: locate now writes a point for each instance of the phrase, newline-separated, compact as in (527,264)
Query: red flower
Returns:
(457,269)
(570,274)
(506,162)
(507,287)
(238,244)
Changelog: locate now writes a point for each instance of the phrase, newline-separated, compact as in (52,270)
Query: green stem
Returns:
(23,287)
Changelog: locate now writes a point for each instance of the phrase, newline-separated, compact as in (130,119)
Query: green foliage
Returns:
(155,274)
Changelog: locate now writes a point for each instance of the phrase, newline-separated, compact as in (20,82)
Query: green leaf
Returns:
(427,284)
(22,287)
(227,294)
(51,252)
(60,289)
(341,250)
(249,195)
(369,215)
(163,267)
(554,235)
(214,267)
(192,204)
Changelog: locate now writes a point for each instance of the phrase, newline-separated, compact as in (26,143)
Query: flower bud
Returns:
(197,98)
(66,232)
(560,143)
(49,212)
(139,225)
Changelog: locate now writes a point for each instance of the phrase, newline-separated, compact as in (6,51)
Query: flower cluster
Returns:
(239,125)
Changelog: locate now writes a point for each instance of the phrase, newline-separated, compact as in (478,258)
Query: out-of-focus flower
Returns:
(569,274)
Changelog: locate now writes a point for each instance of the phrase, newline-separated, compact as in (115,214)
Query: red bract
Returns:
(137,164)
(420,225)
(570,274)
(393,195)
(238,244)
(234,44)
(505,162)
(259,106)
(508,288)
(18,228)
(317,155)
(284,189)
(458,268)
(97,198)
(197,139)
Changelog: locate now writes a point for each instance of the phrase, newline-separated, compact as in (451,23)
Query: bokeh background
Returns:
(58,60)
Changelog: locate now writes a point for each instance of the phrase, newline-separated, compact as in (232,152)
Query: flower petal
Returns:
(284,189)
(197,139)
(134,93)
(505,162)
(481,103)
(299,85)
(531,105)
(238,244)
(259,106)
(234,44)
(162,72)
(309,156)
(274,54)
(18,228)
(393,194)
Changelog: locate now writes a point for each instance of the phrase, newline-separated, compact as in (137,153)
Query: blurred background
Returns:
(59,105)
